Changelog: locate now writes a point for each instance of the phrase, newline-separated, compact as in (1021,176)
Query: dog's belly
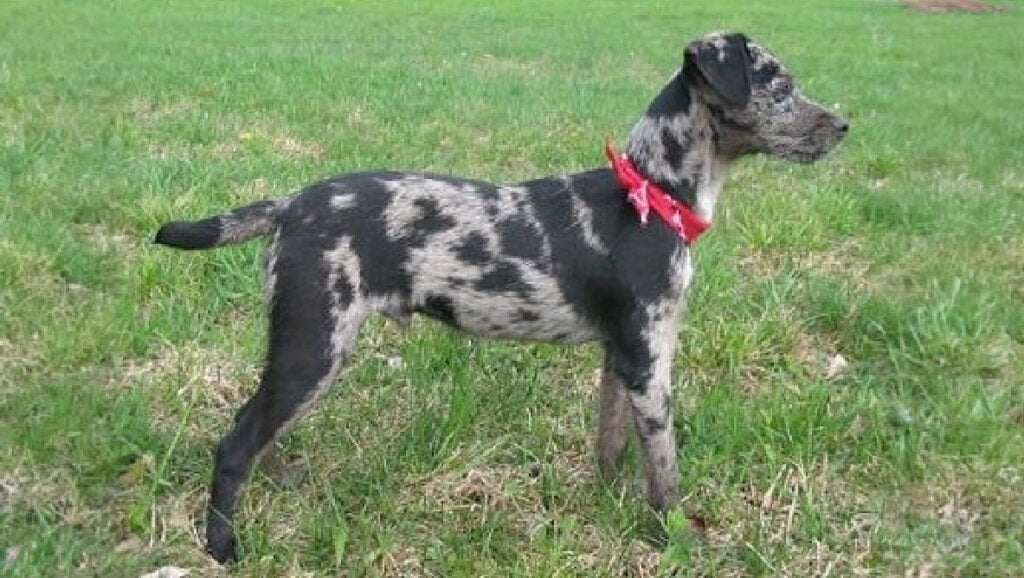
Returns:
(510,298)
(508,317)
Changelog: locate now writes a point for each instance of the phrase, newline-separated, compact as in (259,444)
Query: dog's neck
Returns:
(673,145)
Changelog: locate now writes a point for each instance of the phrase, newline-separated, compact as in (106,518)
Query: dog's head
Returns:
(755,103)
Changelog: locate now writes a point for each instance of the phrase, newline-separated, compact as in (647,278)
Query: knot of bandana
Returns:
(645,196)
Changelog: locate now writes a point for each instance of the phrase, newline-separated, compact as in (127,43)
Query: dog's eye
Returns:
(782,91)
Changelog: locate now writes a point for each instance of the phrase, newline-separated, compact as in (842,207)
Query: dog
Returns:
(570,258)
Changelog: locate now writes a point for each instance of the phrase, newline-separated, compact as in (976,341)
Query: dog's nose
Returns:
(841,125)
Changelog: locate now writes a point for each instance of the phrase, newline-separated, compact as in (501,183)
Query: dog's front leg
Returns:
(652,412)
(643,365)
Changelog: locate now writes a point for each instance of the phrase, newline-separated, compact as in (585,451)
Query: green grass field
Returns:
(121,363)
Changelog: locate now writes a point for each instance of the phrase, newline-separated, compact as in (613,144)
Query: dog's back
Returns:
(525,261)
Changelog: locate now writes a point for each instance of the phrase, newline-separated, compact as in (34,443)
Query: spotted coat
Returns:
(555,259)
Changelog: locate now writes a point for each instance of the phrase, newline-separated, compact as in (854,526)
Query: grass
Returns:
(121,364)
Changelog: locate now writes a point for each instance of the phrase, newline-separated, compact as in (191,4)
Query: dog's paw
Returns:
(221,547)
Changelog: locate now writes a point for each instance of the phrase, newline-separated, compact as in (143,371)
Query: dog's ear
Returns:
(724,63)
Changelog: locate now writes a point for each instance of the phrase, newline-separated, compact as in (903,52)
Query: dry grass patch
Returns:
(207,381)
(26,486)
(167,152)
(602,553)
(774,521)
(469,483)
(403,561)
(17,357)
(820,356)
(489,65)
(170,529)
(503,487)
(799,352)
(958,517)
(845,260)
(1002,361)
(108,240)
(944,6)
(254,190)
(267,140)
(1013,178)
(149,112)
(29,267)
(467,480)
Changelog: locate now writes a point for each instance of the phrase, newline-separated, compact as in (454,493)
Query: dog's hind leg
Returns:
(309,338)
(611,429)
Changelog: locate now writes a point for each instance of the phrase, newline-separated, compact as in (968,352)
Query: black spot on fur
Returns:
(519,239)
(489,194)
(764,75)
(725,119)
(630,360)
(672,101)
(430,220)
(364,222)
(526,316)
(439,307)
(591,281)
(472,250)
(650,426)
(505,277)
(674,149)
(344,290)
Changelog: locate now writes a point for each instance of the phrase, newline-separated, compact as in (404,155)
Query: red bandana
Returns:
(645,196)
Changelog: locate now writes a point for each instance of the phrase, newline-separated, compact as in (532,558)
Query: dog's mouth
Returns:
(808,157)
(809,152)
(824,134)
(815,148)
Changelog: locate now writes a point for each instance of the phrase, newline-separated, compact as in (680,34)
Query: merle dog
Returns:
(562,258)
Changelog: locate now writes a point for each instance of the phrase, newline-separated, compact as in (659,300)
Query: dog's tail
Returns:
(228,228)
